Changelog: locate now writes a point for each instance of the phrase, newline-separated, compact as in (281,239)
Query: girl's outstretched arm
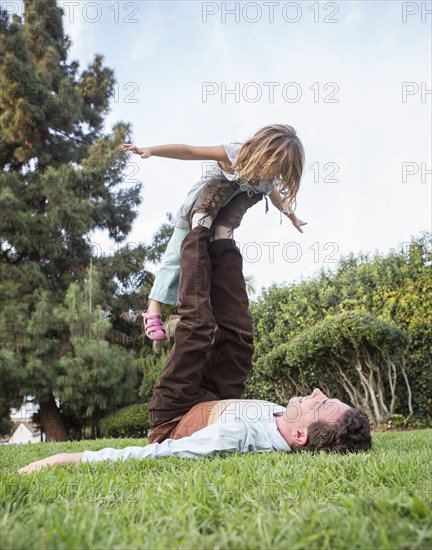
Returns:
(180,151)
(277,201)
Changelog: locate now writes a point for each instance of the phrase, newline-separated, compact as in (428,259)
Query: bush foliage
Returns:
(131,421)
(362,332)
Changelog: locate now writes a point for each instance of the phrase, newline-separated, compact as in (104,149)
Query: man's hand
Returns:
(52,461)
(144,152)
(297,223)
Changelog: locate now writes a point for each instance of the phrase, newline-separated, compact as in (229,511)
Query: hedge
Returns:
(131,421)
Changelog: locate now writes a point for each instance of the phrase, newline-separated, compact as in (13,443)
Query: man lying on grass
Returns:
(196,408)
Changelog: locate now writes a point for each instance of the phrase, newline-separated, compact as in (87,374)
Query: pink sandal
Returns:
(154,330)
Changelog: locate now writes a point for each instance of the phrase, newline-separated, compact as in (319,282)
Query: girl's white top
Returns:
(211,170)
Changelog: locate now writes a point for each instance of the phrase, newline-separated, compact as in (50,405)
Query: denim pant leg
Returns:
(178,388)
(165,288)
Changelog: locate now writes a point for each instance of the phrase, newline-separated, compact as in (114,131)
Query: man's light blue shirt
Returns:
(245,426)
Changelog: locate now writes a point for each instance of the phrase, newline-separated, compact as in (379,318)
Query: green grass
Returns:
(380,499)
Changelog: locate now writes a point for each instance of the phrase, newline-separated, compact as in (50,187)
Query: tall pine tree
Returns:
(61,179)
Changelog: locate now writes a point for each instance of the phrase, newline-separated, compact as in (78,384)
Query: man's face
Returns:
(303,411)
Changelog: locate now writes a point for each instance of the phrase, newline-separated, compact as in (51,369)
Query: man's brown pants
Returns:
(212,354)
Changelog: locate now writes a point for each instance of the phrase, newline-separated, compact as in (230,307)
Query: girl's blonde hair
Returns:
(284,159)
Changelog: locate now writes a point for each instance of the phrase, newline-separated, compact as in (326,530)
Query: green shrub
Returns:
(7,426)
(350,355)
(394,288)
(151,366)
(131,421)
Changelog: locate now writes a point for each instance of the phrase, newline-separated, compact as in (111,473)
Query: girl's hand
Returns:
(297,223)
(144,152)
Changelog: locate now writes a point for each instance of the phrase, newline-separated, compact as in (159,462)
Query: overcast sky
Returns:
(353,78)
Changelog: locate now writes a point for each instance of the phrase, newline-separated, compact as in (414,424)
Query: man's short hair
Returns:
(350,434)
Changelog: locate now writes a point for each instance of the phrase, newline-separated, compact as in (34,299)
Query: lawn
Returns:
(380,499)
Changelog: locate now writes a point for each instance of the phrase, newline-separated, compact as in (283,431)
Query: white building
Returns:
(26,411)
(26,432)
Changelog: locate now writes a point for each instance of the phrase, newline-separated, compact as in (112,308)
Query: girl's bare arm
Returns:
(180,151)
(276,199)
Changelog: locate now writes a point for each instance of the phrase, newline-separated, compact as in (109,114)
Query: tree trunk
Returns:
(411,412)
(51,421)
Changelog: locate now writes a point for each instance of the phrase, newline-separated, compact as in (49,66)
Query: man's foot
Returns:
(211,199)
(153,327)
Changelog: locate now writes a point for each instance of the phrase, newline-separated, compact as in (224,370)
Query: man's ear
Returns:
(300,436)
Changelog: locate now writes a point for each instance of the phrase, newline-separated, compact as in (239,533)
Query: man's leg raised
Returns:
(230,362)
(178,388)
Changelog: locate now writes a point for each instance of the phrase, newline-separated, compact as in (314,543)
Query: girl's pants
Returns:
(166,284)
(212,354)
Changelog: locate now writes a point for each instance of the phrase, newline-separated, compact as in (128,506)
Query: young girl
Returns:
(269,163)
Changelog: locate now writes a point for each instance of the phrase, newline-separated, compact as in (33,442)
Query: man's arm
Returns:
(208,441)
(52,461)
(211,440)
